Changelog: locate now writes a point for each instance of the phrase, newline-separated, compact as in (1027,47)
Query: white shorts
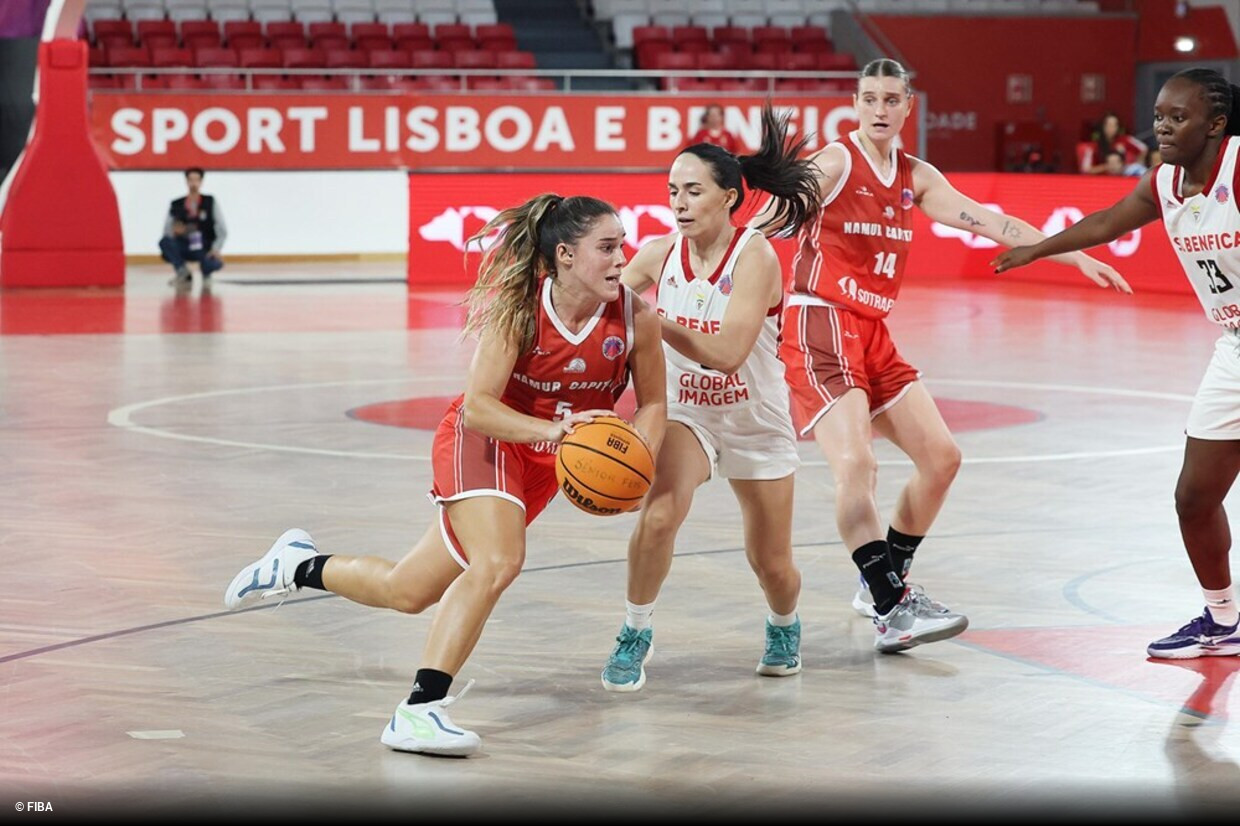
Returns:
(1216,407)
(755,442)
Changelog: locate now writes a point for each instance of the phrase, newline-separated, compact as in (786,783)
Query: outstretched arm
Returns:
(1137,209)
(942,202)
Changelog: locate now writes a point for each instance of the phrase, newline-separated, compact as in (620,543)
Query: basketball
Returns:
(604,467)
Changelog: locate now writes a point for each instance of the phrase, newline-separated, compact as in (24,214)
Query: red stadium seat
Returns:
(487,84)
(196,34)
(172,57)
(746,84)
(415,31)
(715,62)
(764,62)
(689,34)
(286,34)
(101,82)
(371,36)
(274,83)
(436,83)
(215,58)
(346,59)
(160,40)
(96,56)
(532,84)
(224,82)
(641,34)
(836,63)
(310,83)
(676,61)
(515,60)
(650,52)
(731,34)
(163,29)
(476,59)
(115,29)
(700,47)
(303,59)
(185,82)
(496,37)
(431,60)
(260,59)
(378,84)
(453,31)
(799,62)
(129,56)
(389,59)
(248,29)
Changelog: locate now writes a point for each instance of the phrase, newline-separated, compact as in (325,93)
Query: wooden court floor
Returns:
(153,443)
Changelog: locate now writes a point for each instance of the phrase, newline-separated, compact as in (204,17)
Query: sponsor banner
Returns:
(1051,203)
(459,132)
(445,210)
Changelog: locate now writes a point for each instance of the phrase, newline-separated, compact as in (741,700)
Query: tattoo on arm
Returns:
(970,220)
(1010,230)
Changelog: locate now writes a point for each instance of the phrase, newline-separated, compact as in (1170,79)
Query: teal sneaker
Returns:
(783,650)
(625,670)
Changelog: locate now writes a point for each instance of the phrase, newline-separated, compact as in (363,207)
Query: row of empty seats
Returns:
(431,12)
(303,58)
(250,34)
(318,83)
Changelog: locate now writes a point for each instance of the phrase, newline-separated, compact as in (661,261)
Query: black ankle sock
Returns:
(902,548)
(309,574)
(886,587)
(429,685)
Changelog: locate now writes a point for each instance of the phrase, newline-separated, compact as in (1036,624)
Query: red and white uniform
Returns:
(1205,234)
(846,276)
(741,420)
(562,372)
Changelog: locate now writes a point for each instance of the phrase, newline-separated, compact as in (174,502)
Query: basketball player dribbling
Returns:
(560,336)
(719,291)
(1193,190)
(846,377)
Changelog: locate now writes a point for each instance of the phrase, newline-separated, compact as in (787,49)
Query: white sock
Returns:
(637,617)
(1222,605)
(782,620)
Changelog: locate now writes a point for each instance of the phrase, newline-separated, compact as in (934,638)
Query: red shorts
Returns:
(827,351)
(466,463)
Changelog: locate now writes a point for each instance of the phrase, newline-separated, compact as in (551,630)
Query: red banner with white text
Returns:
(458,132)
(445,210)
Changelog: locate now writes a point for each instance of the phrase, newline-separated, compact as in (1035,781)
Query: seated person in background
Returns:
(1110,136)
(193,231)
(712,131)
(1114,163)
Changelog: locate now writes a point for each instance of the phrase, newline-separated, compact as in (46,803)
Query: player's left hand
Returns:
(1104,275)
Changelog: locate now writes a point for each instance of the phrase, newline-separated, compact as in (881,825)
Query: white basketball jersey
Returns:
(699,304)
(1205,233)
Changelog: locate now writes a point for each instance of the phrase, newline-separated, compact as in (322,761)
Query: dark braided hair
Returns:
(776,168)
(1222,96)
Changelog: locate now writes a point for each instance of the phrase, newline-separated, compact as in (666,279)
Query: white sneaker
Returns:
(426,728)
(916,620)
(271,576)
(863,600)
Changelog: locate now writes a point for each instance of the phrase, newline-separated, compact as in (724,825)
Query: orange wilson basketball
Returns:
(604,467)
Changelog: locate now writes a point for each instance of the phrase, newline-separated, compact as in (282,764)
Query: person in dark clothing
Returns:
(193,231)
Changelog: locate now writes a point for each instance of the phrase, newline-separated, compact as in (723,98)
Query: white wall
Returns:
(277,213)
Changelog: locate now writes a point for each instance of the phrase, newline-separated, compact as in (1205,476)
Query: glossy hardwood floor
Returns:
(152,443)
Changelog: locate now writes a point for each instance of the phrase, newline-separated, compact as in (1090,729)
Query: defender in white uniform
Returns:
(1196,119)
(719,295)
(741,419)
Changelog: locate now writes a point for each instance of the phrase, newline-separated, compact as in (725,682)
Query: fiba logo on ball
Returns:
(604,467)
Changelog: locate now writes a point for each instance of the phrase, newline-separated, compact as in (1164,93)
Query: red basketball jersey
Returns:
(854,256)
(565,372)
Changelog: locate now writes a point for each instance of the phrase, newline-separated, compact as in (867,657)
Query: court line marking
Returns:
(122,417)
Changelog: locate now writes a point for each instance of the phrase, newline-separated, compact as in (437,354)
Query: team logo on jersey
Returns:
(725,284)
(1222,194)
(888,212)
(1195,211)
(906,199)
(538,351)
(577,365)
(864,190)
(613,346)
(671,280)
(848,286)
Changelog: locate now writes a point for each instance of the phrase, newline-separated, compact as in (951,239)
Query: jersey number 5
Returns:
(1218,281)
(885,264)
(563,410)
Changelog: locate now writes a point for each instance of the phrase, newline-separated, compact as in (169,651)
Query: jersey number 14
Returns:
(885,264)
